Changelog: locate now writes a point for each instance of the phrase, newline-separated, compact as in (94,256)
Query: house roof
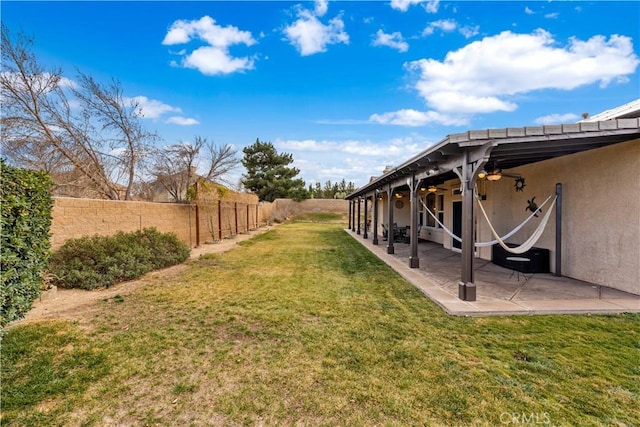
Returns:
(510,147)
(626,111)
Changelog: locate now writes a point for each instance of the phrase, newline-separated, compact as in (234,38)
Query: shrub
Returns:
(94,262)
(25,240)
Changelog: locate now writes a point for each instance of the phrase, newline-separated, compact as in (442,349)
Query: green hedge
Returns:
(99,261)
(26,206)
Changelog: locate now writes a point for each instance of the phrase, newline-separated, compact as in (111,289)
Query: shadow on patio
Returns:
(499,290)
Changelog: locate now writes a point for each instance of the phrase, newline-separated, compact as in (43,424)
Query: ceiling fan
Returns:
(494,173)
(432,189)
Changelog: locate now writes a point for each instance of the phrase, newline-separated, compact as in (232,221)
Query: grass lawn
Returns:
(303,326)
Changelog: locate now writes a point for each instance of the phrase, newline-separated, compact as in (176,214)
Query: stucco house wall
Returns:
(401,216)
(600,213)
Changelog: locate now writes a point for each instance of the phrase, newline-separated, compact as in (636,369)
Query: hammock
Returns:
(517,228)
(528,244)
(439,223)
(499,239)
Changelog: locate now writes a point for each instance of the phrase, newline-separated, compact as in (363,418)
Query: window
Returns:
(435,203)
(441,209)
(431,205)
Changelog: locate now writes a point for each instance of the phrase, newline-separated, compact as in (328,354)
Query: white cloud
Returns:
(528,11)
(206,29)
(321,7)
(67,83)
(393,40)
(182,121)
(309,35)
(480,77)
(552,119)
(44,82)
(459,102)
(307,145)
(448,26)
(214,58)
(368,148)
(431,6)
(151,108)
(154,109)
(403,5)
(358,158)
(468,31)
(414,118)
(552,15)
(395,146)
(444,25)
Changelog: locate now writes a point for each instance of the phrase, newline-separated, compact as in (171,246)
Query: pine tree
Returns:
(268,174)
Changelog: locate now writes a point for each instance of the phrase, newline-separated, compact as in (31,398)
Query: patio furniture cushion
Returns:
(538,259)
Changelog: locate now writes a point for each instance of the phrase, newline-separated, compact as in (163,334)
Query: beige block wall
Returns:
(225,218)
(74,218)
(284,208)
(224,214)
(266,213)
(235,213)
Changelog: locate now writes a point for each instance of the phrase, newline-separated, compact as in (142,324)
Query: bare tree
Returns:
(121,132)
(173,169)
(176,167)
(97,135)
(221,160)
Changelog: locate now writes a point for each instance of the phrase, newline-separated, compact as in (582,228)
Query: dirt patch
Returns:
(77,303)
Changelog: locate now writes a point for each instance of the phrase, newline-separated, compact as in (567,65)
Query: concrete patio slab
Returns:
(498,290)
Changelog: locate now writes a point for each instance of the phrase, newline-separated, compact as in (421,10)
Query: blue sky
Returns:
(347,87)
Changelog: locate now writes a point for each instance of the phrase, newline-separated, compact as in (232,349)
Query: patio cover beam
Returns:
(364,222)
(375,218)
(414,261)
(359,200)
(472,162)
(390,247)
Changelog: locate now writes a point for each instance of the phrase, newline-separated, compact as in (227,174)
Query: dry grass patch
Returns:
(301,325)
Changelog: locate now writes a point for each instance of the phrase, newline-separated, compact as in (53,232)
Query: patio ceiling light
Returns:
(398,195)
(432,189)
(494,175)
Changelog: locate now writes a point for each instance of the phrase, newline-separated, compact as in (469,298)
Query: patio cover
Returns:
(510,148)
(465,154)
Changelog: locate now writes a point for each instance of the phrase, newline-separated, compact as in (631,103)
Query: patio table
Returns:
(519,262)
